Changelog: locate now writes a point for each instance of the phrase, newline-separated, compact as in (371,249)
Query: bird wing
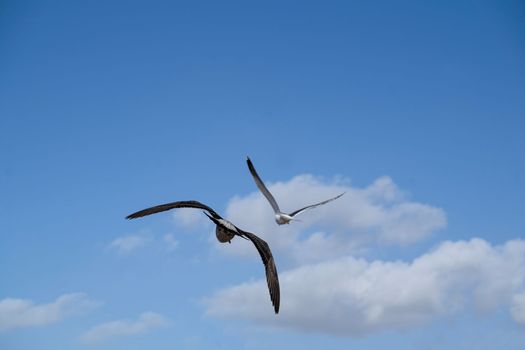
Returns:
(173,205)
(269,264)
(262,187)
(314,205)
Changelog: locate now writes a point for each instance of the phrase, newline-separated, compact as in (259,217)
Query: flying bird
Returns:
(225,232)
(280,217)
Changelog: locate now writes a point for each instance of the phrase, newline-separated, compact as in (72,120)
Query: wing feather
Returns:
(314,205)
(262,187)
(272,278)
(173,205)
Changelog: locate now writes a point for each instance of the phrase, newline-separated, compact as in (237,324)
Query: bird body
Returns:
(225,231)
(282,218)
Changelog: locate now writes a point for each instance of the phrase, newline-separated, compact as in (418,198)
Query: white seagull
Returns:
(225,232)
(280,217)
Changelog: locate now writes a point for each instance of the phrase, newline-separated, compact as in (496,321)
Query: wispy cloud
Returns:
(517,309)
(127,244)
(19,313)
(349,296)
(170,242)
(379,213)
(122,328)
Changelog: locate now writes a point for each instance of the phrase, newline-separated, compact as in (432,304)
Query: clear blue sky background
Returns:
(107,107)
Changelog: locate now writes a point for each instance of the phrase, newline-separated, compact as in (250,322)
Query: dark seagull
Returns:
(225,232)
(280,217)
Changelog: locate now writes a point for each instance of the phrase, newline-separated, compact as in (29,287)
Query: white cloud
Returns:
(517,309)
(170,242)
(121,328)
(189,218)
(380,213)
(349,296)
(127,244)
(19,313)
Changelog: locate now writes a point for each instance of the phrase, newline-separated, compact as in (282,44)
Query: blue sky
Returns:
(416,109)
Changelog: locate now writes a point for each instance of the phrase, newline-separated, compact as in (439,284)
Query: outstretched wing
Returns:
(269,264)
(173,205)
(262,187)
(315,205)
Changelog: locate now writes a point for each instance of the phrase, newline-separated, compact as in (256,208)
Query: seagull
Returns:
(225,232)
(280,217)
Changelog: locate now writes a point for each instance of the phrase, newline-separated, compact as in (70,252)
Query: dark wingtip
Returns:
(135,215)
(250,164)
